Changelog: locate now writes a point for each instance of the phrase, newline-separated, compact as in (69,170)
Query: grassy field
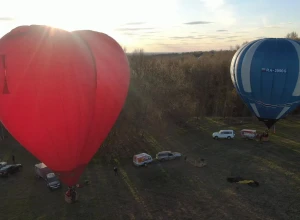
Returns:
(173,189)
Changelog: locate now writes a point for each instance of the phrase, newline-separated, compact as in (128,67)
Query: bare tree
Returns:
(293,35)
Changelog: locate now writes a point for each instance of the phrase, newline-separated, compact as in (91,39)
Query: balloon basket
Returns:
(69,200)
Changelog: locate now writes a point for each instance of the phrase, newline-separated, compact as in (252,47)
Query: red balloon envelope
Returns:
(60,93)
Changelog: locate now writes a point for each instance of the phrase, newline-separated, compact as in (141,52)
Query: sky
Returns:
(161,25)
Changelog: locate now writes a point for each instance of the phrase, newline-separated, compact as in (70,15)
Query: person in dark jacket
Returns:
(13,159)
(116,171)
(73,195)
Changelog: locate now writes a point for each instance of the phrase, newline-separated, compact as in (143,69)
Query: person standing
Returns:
(13,159)
(116,171)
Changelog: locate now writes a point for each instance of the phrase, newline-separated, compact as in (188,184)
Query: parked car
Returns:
(42,171)
(224,134)
(9,169)
(248,134)
(167,155)
(2,164)
(142,159)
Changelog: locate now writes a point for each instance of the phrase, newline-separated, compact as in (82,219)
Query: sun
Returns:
(70,15)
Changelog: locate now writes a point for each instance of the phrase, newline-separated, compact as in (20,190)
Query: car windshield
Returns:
(52,178)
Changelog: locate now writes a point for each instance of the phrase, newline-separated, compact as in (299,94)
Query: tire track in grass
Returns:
(153,146)
(238,202)
(105,188)
(214,120)
(90,199)
(102,186)
(174,142)
(217,202)
(201,195)
(134,191)
(153,142)
(276,167)
(292,145)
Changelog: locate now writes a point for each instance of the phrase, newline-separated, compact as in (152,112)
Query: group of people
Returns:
(72,194)
(265,134)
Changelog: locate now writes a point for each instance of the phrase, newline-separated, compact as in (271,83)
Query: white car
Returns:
(224,134)
(2,164)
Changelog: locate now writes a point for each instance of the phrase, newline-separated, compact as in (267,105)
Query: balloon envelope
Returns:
(60,93)
(266,74)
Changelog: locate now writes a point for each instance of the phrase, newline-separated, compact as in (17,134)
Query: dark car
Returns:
(10,169)
(2,164)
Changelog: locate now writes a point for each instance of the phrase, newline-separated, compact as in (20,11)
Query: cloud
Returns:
(220,11)
(272,26)
(187,37)
(183,37)
(242,32)
(133,29)
(285,23)
(261,37)
(134,23)
(6,19)
(198,22)
(220,38)
(221,30)
(129,33)
(232,36)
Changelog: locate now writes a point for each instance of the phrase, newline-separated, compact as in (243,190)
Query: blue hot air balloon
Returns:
(266,74)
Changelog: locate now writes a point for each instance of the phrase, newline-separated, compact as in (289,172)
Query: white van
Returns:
(224,134)
(142,159)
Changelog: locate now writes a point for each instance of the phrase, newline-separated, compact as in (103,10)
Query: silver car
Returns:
(167,155)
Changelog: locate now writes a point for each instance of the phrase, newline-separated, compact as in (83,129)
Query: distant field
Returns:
(173,189)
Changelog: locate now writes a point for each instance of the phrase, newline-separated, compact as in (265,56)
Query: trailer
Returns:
(248,134)
(42,171)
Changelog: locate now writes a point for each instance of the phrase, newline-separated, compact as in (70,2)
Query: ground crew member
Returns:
(116,171)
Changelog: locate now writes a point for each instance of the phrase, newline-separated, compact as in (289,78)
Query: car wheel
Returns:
(216,137)
(228,137)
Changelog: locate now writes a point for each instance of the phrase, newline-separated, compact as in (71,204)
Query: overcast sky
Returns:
(161,25)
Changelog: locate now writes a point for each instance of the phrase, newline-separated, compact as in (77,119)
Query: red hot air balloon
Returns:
(60,93)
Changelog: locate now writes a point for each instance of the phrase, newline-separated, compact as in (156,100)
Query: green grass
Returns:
(173,189)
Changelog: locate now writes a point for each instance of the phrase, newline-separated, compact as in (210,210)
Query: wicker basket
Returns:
(68,199)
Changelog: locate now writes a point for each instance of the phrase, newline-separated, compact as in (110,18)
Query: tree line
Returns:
(168,90)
